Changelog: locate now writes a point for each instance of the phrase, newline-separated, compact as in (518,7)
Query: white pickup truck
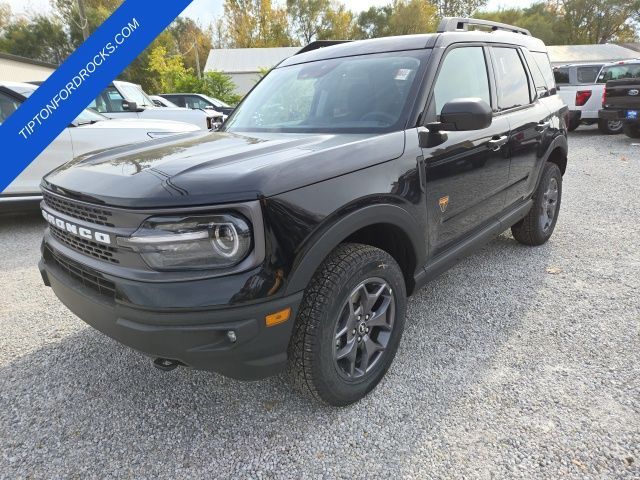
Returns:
(579,88)
(128,100)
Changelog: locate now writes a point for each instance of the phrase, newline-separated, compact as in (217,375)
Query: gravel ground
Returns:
(518,362)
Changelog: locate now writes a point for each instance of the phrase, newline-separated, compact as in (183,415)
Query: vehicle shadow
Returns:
(97,406)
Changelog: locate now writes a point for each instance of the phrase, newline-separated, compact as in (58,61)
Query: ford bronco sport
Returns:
(350,176)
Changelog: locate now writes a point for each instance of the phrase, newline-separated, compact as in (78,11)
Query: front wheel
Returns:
(610,127)
(349,326)
(536,228)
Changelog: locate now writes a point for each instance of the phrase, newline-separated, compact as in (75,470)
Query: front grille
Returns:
(87,213)
(88,247)
(88,277)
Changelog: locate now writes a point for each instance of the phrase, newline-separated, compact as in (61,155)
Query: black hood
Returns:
(213,168)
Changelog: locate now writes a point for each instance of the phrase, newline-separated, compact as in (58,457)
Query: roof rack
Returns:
(320,44)
(460,24)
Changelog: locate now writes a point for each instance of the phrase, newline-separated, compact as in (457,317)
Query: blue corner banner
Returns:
(79,80)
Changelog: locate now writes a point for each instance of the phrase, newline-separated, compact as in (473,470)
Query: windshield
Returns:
(135,94)
(89,116)
(216,102)
(619,72)
(362,94)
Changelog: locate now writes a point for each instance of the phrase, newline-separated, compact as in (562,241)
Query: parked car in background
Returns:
(579,88)
(128,100)
(90,131)
(198,100)
(162,102)
(622,95)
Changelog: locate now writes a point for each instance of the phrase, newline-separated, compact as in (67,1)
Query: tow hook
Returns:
(166,365)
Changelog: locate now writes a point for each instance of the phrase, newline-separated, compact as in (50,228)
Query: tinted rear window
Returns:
(588,74)
(561,76)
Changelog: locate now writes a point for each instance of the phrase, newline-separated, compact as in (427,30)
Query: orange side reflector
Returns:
(278,317)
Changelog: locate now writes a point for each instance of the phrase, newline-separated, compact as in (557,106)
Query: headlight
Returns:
(191,243)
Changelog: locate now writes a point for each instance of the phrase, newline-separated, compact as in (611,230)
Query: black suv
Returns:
(349,177)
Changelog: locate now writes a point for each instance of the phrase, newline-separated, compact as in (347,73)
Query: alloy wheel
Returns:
(364,328)
(549,205)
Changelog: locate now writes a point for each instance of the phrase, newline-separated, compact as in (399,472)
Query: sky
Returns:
(204,11)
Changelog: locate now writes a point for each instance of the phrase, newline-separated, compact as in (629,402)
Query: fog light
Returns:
(231,335)
(278,317)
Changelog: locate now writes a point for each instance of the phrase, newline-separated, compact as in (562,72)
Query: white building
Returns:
(20,69)
(600,53)
(243,65)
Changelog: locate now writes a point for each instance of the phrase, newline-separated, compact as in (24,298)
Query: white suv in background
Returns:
(89,132)
(128,100)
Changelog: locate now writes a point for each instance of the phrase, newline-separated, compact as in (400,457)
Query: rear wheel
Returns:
(537,227)
(349,326)
(632,131)
(611,127)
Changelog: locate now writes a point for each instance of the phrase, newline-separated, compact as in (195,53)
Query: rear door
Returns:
(529,119)
(467,174)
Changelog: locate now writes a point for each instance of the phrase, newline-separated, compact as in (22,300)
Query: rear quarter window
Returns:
(542,60)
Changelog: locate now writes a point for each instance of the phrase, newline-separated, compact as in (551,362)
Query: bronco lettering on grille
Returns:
(77,230)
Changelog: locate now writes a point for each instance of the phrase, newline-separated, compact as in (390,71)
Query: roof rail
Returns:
(460,24)
(320,44)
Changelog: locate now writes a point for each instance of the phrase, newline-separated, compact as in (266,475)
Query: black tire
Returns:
(610,127)
(537,227)
(631,131)
(315,345)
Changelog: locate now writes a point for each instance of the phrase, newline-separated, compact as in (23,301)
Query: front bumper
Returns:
(195,337)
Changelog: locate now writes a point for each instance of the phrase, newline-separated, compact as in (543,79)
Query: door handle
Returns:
(542,126)
(497,143)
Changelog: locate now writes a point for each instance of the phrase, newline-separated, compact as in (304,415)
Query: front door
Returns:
(468,174)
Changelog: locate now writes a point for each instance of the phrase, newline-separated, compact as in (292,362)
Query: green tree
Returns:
(191,40)
(374,23)
(307,18)
(599,21)
(339,24)
(256,23)
(97,12)
(412,16)
(40,38)
(458,8)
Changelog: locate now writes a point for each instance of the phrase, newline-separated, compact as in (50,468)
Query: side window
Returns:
(178,100)
(109,101)
(588,74)
(542,60)
(562,76)
(463,74)
(536,73)
(8,105)
(513,83)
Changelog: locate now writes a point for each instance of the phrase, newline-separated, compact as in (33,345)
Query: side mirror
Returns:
(465,114)
(130,106)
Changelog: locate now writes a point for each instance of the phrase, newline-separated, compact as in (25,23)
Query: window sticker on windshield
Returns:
(403,73)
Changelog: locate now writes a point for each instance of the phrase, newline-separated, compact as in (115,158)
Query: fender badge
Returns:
(444,203)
